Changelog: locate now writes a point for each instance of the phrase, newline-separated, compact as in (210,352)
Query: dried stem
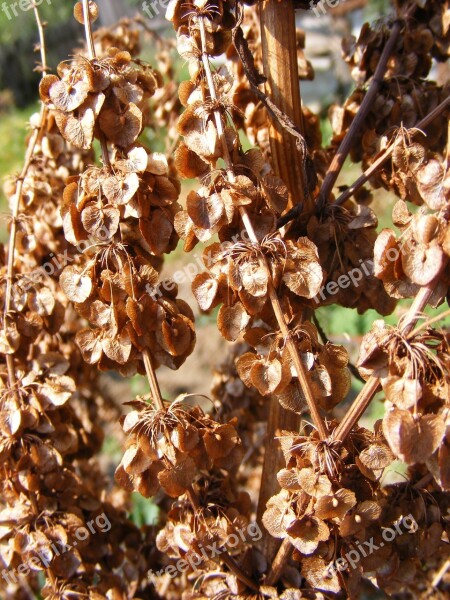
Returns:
(279,561)
(17,201)
(315,415)
(152,379)
(357,409)
(369,390)
(279,53)
(88,30)
(345,146)
(92,56)
(429,322)
(284,551)
(149,369)
(279,419)
(236,569)
(379,162)
(271,466)
(40,28)
(440,574)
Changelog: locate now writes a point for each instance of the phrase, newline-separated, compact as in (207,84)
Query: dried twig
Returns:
(379,162)
(344,148)
(373,383)
(17,202)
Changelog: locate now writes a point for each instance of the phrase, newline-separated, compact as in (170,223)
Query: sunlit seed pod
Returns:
(427,229)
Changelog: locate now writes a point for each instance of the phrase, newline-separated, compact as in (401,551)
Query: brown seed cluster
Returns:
(81,292)
(168,448)
(53,406)
(404,97)
(125,209)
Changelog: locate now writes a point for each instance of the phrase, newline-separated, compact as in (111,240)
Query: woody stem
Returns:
(280,63)
(304,383)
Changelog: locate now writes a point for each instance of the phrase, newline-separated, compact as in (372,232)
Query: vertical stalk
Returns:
(152,379)
(280,418)
(88,30)
(17,201)
(279,50)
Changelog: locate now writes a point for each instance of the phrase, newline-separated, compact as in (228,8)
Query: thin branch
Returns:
(285,550)
(429,322)
(149,369)
(374,167)
(92,56)
(440,574)
(283,555)
(373,383)
(17,201)
(88,30)
(236,569)
(40,28)
(301,374)
(379,162)
(423,481)
(345,146)
(152,379)
(357,409)
(351,367)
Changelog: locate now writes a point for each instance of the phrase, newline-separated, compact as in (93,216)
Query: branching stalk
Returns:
(373,383)
(304,383)
(379,162)
(345,146)
(152,379)
(17,201)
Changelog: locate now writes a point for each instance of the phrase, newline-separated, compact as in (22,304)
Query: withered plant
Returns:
(278,450)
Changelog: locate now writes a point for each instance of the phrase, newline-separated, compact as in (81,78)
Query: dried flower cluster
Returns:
(53,405)
(275,451)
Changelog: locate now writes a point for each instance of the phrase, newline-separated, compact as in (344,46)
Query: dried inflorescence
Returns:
(268,264)
(243,274)
(405,96)
(52,415)
(170,447)
(123,212)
